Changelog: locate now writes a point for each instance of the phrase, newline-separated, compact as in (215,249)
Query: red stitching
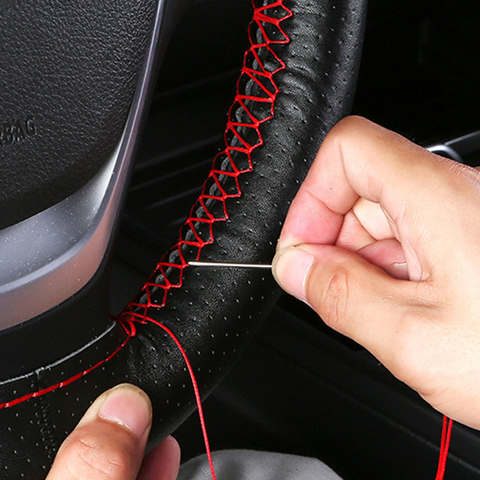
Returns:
(168,274)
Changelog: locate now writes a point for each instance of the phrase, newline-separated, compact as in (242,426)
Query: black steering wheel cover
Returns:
(211,311)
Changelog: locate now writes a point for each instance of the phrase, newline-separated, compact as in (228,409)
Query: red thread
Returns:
(198,229)
(444,446)
(70,380)
(196,390)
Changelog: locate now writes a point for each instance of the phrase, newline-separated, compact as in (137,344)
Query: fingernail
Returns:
(127,406)
(398,270)
(290,268)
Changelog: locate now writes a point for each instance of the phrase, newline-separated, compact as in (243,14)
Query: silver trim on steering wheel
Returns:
(49,257)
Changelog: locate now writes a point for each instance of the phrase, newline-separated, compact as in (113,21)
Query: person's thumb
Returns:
(109,441)
(349,293)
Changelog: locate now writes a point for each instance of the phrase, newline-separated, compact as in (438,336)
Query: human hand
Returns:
(383,241)
(109,442)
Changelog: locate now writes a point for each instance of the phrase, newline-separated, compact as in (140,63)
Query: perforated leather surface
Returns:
(213,312)
(68,71)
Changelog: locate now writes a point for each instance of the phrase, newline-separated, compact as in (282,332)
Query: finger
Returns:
(357,159)
(373,219)
(354,297)
(353,235)
(388,255)
(364,224)
(361,159)
(162,463)
(109,441)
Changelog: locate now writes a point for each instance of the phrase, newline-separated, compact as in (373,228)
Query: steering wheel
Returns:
(73,111)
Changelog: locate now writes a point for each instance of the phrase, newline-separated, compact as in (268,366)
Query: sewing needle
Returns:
(231,265)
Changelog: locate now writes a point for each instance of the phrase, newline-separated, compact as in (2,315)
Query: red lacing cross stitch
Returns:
(260,65)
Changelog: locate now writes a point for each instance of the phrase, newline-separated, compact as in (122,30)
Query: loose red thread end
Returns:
(444,446)
(196,392)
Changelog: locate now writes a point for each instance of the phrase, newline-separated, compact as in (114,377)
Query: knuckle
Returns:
(334,298)
(347,125)
(349,122)
(346,134)
(407,365)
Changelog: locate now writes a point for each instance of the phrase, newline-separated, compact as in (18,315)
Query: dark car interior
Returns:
(300,387)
